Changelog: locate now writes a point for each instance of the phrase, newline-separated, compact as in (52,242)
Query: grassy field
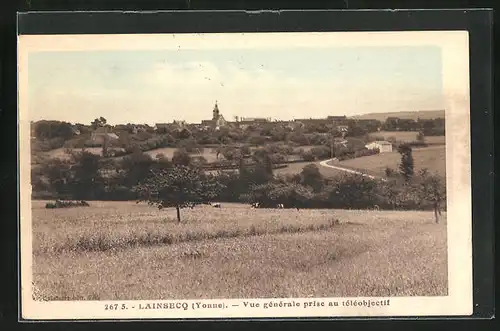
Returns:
(435,140)
(433,158)
(295,168)
(123,250)
(169,152)
(61,152)
(409,136)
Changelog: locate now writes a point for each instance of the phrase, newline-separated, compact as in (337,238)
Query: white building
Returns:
(383,146)
(98,136)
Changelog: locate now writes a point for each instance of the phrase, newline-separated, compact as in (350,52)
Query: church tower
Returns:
(215,116)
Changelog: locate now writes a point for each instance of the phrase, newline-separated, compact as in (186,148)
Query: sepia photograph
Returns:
(252,174)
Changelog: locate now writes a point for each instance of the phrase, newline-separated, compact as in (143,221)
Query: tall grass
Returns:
(111,226)
(235,252)
(101,242)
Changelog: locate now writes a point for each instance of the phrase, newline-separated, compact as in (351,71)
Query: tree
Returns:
(264,161)
(181,157)
(52,129)
(179,187)
(310,176)
(406,165)
(431,189)
(58,175)
(86,179)
(105,146)
(98,122)
(135,168)
(291,195)
(162,161)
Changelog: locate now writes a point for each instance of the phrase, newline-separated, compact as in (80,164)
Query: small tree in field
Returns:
(406,165)
(431,189)
(179,187)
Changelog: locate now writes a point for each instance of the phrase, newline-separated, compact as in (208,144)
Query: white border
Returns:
(454,46)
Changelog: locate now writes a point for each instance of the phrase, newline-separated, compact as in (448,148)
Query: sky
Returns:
(158,86)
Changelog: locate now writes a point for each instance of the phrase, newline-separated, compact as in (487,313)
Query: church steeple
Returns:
(216,112)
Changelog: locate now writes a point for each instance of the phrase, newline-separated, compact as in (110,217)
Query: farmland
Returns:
(433,158)
(409,136)
(169,152)
(123,250)
(295,168)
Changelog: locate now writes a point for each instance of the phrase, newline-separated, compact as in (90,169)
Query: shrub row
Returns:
(66,204)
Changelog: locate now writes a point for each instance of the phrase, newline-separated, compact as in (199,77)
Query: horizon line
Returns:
(269,119)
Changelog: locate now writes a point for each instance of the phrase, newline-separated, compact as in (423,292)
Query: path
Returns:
(325,164)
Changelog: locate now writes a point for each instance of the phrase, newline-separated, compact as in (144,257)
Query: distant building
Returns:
(217,120)
(179,124)
(249,120)
(101,133)
(75,131)
(162,126)
(342,128)
(337,120)
(383,146)
(313,121)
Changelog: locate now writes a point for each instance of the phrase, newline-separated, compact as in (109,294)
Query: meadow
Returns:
(433,158)
(207,153)
(124,250)
(60,153)
(295,168)
(409,136)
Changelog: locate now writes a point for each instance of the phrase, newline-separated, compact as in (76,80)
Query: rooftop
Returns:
(381,142)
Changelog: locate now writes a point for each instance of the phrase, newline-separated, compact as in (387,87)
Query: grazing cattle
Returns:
(216,205)
(280,206)
(255,205)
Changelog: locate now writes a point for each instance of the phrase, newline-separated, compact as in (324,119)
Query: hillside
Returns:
(424,114)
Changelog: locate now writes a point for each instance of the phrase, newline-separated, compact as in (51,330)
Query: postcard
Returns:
(245,175)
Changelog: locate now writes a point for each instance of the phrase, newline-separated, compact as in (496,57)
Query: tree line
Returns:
(181,182)
(55,134)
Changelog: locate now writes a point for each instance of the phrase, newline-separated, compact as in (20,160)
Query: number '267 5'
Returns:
(114,306)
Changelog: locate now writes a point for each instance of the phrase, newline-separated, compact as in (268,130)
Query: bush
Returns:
(440,131)
(66,204)
(48,144)
(308,156)
(321,153)
(389,172)
(416,144)
(366,152)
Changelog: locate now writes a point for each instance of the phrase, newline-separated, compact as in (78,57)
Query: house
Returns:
(162,127)
(342,128)
(251,120)
(313,121)
(245,122)
(100,134)
(383,146)
(75,131)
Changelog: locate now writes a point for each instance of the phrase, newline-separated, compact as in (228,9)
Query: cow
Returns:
(280,206)
(376,207)
(216,205)
(255,205)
